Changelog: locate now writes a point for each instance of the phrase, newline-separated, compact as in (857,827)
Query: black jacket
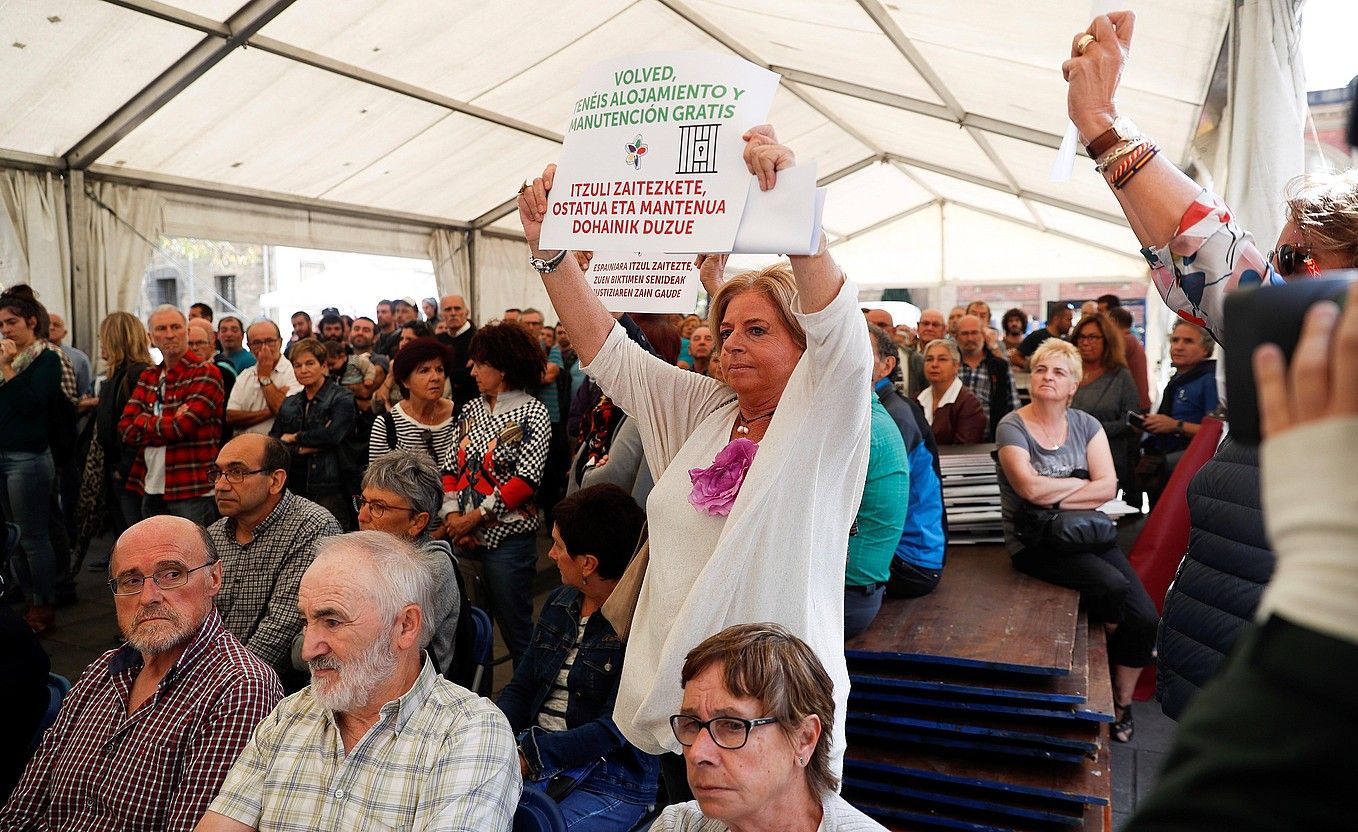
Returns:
(1001,389)
(1217,587)
(323,423)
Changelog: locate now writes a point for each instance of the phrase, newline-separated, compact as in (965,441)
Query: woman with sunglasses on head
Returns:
(755,726)
(423,419)
(1196,251)
(493,471)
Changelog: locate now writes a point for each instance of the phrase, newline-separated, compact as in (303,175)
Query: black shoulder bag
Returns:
(1065,531)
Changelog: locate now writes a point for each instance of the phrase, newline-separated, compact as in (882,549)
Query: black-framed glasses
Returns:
(377,509)
(1089,336)
(729,732)
(1287,259)
(265,342)
(235,476)
(171,577)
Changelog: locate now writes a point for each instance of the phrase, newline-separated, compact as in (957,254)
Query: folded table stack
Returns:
(971,493)
(983,706)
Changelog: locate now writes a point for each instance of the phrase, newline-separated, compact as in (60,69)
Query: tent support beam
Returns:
(880,224)
(31,161)
(210,51)
(84,301)
(193,187)
(1074,207)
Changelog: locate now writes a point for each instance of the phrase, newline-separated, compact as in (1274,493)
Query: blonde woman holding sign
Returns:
(750,514)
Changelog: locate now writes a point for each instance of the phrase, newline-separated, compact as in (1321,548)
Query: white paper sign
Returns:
(653,155)
(784,219)
(639,282)
(1064,163)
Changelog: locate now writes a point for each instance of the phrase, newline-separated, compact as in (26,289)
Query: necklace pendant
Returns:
(742,430)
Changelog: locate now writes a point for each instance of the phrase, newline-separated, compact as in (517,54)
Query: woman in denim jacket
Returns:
(313,422)
(560,701)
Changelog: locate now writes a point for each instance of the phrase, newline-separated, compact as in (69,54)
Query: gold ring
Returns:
(1083,43)
(524,187)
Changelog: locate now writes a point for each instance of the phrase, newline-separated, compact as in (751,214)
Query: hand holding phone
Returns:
(1136,420)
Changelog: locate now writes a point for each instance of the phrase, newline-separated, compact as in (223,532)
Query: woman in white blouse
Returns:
(727,548)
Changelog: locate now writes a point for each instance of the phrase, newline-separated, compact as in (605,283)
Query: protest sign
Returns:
(639,282)
(653,157)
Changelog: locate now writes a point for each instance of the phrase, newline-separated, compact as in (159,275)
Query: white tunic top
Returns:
(780,554)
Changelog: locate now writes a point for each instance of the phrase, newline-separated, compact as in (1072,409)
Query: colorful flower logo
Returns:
(636,148)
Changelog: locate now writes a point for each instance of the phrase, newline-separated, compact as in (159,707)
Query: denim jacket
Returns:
(591,741)
(325,425)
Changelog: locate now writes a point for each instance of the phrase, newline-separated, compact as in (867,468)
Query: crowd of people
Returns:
(304,526)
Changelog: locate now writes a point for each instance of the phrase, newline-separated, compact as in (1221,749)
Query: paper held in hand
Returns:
(653,160)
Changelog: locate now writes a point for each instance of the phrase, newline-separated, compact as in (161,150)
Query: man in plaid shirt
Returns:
(149,732)
(984,374)
(173,423)
(379,740)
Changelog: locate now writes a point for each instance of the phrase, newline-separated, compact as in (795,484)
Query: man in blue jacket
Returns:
(918,564)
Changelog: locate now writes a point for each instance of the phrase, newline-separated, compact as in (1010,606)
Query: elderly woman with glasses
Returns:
(1196,252)
(752,490)
(953,411)
(755,728)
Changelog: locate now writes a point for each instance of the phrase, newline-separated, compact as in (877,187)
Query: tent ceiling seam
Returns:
(883,223)
(912,55)
(176,78)
(1065,235)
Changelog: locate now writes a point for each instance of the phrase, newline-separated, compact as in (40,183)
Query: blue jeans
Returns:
(861,607)
(590,812)
(509,569)
(201,510)
(26,494)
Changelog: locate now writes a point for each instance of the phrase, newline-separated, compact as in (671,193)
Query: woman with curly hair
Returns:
(493,471)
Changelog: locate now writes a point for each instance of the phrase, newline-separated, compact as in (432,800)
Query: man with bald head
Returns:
(457,333)
(910,362)
(173,425)
(149,732)
(931,327)
(265,540)
(984,373)
(378,740)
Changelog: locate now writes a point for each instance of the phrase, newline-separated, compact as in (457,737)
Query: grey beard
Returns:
(358,678)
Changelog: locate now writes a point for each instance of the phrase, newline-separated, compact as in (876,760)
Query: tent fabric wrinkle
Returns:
(452,265)
(33,244)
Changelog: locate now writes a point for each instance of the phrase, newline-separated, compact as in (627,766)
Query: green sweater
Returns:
(881,515)
(26,403)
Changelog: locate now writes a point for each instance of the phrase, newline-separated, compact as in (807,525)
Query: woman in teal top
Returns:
(30,391)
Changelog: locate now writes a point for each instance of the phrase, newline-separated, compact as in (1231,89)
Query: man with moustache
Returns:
(931,327)
(700,344)
(378,740)
(457,333)
(149,732)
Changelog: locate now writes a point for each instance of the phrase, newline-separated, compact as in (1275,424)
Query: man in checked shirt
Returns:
(147,735)
(378,740)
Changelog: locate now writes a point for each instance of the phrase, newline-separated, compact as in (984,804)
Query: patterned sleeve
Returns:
(1209,257)
(218,743)
(204,398)
(528,468)
(476,782)
(241,794)
(69,386)
(272,639)
(132,423)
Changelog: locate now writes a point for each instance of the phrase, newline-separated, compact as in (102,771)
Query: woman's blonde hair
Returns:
(1324,207)
(1114,348)
(1057,348)
(124,340)
(774,281)
(767,663)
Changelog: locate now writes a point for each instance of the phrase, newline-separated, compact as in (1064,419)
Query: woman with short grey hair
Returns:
(953,411)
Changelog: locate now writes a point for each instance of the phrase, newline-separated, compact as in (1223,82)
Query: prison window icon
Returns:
(698,148)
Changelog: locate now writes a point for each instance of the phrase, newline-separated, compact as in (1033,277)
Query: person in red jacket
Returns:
(173,425)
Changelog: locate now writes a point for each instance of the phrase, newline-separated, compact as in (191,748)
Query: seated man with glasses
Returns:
(755,729)
(402,492)
(266,539)
(146,737)
(261,389)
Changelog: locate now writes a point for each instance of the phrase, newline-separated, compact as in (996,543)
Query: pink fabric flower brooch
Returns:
(715,488)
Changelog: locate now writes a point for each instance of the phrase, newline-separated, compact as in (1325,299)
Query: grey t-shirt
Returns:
(1081,427)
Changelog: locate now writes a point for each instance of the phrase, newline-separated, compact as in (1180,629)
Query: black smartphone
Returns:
(1268,315)
(1136,420)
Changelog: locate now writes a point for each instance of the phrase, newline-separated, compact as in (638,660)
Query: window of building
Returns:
(226,288)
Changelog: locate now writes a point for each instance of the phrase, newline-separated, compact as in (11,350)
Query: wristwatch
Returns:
(545,266)
(1122,130)
(266,382)
(1179,428)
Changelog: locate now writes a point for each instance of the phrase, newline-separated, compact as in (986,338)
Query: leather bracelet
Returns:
(1132,166)
(1128,148)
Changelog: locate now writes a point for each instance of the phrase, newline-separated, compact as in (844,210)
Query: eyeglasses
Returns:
(729,732)
(171,577)
(1288,258)
(1089,336)
(265,342)
(235,476)
(377,509)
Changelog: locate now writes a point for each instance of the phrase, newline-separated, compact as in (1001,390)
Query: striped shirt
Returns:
(439,757)
(101,768)
(435,440)
(552,717)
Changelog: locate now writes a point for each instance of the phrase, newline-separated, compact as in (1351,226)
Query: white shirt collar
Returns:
(509,400)
(466,325)
(926,398)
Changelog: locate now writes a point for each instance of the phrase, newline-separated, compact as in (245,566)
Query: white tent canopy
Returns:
(371,123)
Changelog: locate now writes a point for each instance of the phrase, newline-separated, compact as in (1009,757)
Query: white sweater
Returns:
(837,816)
(780,554)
